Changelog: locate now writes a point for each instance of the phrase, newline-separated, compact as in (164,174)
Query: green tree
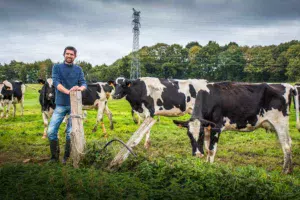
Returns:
(259,64)
(230,65)
(293,57)
(192,44)
(207,60)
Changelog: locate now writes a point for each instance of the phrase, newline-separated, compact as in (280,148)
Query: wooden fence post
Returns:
(77,134)
(134,140)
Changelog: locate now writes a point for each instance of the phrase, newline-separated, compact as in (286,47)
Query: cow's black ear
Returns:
(111,83)
(181,123)
(128,83)
(41,81)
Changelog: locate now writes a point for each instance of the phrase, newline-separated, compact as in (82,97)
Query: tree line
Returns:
(231,62)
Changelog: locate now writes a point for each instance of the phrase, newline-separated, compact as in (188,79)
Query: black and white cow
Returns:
(94,97)
(11,94)
(154,96)
(241,107)
(47,102)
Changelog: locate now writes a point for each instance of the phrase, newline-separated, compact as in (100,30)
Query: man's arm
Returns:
(57,80)
(61,88)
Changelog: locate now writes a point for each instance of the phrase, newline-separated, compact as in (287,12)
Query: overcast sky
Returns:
(101,30)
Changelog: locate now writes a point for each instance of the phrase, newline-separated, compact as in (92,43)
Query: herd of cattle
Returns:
(214,107)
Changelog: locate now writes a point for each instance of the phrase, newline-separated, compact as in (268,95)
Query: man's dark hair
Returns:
(70,48)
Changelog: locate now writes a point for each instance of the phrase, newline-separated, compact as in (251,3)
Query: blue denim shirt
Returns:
(68,76)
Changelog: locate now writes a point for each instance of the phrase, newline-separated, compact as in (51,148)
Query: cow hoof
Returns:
(199,155)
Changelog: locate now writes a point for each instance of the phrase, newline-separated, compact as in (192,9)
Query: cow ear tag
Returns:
(209,128)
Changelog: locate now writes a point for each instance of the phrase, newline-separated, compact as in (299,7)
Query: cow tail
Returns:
(296,99)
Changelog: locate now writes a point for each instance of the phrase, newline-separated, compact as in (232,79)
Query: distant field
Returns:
(247,165)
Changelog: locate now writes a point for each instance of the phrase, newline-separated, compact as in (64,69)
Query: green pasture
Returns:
(247,165)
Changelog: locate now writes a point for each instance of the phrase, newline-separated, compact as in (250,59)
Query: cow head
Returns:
(122,86)
(109,87)
(41,81)
(48,89)
(7,90)
(194,127)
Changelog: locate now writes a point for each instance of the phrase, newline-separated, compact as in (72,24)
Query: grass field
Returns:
(247,165)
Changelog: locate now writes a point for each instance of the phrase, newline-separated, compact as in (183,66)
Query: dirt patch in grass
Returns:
(7,157)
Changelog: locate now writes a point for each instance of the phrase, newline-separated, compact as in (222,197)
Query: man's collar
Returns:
(70,65)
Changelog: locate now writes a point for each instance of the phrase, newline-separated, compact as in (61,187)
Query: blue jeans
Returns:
(58,116)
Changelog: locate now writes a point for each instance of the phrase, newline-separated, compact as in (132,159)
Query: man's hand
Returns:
(77,88)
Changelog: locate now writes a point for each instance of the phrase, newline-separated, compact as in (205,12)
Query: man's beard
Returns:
(69,60)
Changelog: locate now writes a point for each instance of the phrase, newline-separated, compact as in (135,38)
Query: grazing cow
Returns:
(47,102)
(11,94)
(96,96)
(241,107)
(154,96)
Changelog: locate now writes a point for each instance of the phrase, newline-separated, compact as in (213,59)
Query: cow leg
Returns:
(286,144)
(101,107)
(22,99)
(212,150)
(22,105)
(133,118)
(109,114)
(207,133)
(200,144)
(1,109)
(137,120)
(15,109)
(45,119)
(8,108)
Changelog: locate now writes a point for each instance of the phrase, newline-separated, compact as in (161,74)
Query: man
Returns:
(66,77)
